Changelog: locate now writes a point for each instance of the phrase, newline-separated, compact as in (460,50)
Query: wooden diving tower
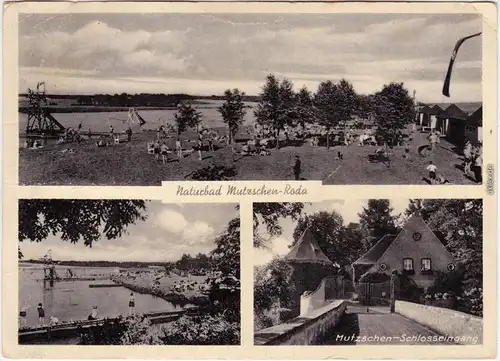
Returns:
(40,121)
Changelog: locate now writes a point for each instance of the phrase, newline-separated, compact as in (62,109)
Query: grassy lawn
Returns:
(130,164)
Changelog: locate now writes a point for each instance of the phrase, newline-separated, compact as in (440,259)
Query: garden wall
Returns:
(303,330)
(444,321)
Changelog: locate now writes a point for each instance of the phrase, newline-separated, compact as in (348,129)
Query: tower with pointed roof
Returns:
(310,264)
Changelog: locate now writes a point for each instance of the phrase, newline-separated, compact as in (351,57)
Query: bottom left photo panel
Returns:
(128,272)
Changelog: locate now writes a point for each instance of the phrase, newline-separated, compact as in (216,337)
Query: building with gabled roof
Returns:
(415,251)
(474,127)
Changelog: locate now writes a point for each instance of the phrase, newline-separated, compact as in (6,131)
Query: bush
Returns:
(201,330)
(447,282)
(409,290)
(471,301)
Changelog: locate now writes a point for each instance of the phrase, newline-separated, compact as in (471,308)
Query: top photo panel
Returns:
(137,99)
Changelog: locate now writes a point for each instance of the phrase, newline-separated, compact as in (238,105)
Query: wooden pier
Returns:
(103,285)
(73,329)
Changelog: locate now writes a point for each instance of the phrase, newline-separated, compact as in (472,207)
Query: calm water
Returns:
(73,300)
(100,122)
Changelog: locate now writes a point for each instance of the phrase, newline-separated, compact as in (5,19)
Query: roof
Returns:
(425,109)
(453,111)
(436,110)
(476,118)
(466,107)
(307,250)
(373,255)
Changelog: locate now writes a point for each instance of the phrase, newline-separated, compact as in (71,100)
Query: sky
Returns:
(169,231)
(204,54)
(348,209)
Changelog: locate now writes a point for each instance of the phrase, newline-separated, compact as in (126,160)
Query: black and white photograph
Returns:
(369,272)
(128,272)
(350,98)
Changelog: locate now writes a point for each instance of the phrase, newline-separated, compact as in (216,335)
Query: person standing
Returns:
(131,305)
(178,147)
(157,149)
(41,314)
(433,139)
(129,134)
(467,157)
(199,147)
(296,167)
(112,132)
(164,153)
(22,317)
(478,168)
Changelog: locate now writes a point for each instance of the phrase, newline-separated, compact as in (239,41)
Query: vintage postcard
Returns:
(249,180)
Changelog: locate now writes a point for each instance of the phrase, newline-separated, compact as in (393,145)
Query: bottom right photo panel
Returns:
(369,272)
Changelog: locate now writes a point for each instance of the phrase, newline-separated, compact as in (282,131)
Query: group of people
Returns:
(473,160)
(23,314)
(53,320)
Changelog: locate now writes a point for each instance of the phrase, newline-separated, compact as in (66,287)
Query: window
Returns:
(408,264)
(425,264)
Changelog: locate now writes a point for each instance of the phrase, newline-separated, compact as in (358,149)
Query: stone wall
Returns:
(303,330)
(465,328)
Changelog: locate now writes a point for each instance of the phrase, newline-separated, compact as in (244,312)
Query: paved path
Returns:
(379,327)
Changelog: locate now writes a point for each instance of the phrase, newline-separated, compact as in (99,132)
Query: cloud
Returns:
(206,54)
(198,232)
(172,221)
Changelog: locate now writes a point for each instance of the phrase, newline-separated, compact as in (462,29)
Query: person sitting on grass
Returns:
(157,150)
(442,180)
(164,153)
(431,168)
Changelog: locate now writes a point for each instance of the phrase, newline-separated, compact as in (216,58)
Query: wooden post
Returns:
(393,293)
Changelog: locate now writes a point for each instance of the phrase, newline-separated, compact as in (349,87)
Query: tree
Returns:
(233,112)
(225,286)
(376,221)
(394,110)
(273,284)
(335,104)
(365,108)
(305,107)
(276,105)
(77,219)
(329,231)
(187,117)
(269,215)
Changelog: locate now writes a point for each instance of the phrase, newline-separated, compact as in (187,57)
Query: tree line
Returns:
(332,105)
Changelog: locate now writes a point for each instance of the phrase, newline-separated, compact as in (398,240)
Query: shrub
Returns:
(471,301)
(201,330)
(409,290)
(450,282)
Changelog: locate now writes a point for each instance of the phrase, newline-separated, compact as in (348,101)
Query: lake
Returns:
(73,300)
(100,122)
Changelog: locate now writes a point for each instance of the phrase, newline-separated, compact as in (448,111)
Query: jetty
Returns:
(73,329)
(103,285)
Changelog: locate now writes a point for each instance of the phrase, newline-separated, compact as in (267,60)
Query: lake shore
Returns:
(164,290)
